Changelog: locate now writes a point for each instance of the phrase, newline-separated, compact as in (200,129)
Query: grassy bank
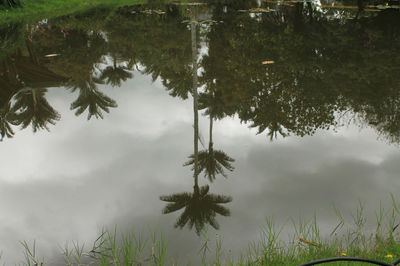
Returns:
(381,243)
(33,10)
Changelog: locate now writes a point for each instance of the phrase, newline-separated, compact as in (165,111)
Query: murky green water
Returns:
(298,109)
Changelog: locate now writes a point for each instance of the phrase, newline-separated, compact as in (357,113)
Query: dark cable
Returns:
(315,262)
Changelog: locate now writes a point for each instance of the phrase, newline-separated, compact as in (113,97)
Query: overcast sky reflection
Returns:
(67,184)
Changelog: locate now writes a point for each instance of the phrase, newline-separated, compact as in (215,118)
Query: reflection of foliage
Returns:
(9,85)
(31,107)
(212,162)
(323,65)
(11,37)
(200,208)
(213,103)
(161,44)
(277,98)
(5,117)
(81,51)
(92,99)
(385,116)
(114,75)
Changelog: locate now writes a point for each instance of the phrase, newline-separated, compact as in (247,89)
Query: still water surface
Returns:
(298,109)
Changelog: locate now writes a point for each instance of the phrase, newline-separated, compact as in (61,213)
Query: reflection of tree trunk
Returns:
(310,11)
(31,52)
(210,134)
(360,5)
(195,107)
(298,22)
(9,71)
(34,99)
(90,87)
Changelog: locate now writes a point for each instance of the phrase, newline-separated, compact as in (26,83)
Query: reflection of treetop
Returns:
(91,98)
(200,207)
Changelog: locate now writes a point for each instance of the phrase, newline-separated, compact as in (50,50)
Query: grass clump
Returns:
(35,10)
(306,244)
(108,249)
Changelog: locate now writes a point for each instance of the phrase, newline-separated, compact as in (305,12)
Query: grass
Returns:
(35,10)
(304,245)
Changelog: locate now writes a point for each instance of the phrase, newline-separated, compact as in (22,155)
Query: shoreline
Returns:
(37,10)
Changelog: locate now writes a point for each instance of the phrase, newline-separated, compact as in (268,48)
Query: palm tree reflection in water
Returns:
(31,107)
(200,206)
(115,74)
(91,98)
(211,161)
(6,121)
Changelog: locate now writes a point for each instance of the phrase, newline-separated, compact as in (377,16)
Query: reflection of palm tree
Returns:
(211,161)
(31,106)
(115,74)
(9,86)
(91,98)
(200,208)
(5,121)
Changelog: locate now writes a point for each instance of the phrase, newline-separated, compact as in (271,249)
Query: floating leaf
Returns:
(151,11)
(258,10)
(268,62)
(51,55)
(188,4)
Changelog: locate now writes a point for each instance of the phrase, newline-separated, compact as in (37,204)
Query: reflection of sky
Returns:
(65,185)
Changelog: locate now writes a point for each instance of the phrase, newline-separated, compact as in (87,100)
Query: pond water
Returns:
(284,110)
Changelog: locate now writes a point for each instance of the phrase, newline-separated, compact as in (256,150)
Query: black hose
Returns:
(320,261)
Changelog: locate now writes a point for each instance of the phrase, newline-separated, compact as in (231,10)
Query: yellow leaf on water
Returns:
(268,62)
(51,55)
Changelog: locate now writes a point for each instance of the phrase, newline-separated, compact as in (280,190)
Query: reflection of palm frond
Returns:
(93,100)
(114,75)
(84,84)
(212,162)
(200,208)
(213,104)
(178,87)
(31,107)
(5,121)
